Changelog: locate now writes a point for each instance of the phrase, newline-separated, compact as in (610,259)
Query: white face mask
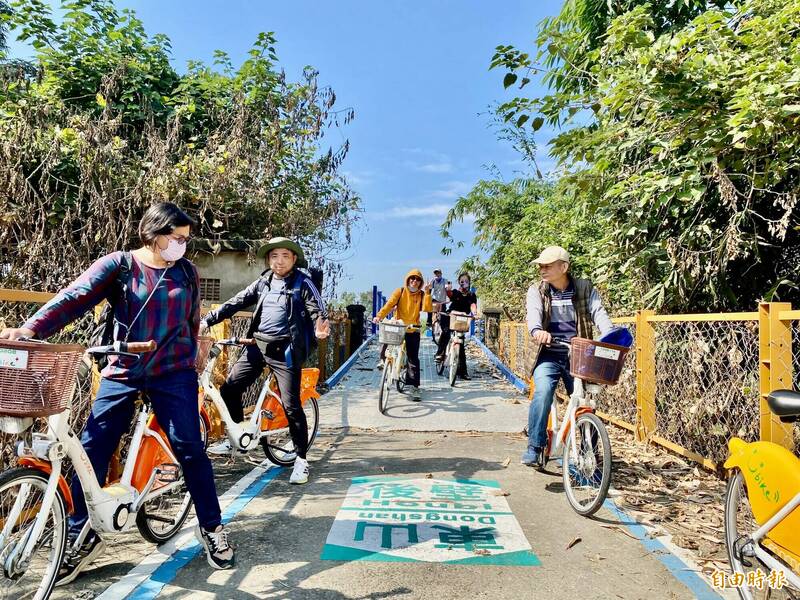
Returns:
(174,250)
(413,289)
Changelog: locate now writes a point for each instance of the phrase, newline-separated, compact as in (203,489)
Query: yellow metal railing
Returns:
(694,381)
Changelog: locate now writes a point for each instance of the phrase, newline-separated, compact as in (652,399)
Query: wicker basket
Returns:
(459,323)
(204,344)
(37,380)
(597,362)
(391,334)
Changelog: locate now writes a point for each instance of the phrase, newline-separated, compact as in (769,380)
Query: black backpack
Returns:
(102,333)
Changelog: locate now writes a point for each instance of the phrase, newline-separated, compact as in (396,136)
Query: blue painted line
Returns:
(164,574)
(342,371)
(679,569)
(516,381)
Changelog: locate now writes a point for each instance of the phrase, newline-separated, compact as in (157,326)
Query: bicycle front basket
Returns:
(597,362)
(391,334)
(459,324)
(37,380)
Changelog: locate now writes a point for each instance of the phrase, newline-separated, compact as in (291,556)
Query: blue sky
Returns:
(416,74)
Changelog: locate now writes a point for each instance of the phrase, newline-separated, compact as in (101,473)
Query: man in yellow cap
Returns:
(289,314)
(559,308)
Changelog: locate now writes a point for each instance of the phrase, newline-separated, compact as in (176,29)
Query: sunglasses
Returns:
(415,278)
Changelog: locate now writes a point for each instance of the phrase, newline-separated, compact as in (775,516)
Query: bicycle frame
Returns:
(111,508)
(578,404)
(758,536)
(398,356)
(263,421)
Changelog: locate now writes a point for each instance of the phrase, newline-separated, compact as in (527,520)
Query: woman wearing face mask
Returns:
(160,302)
(462,300)
(408,302)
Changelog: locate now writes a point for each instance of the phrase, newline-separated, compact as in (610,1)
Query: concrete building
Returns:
(225,266)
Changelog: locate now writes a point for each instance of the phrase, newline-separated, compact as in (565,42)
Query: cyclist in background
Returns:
(559,307)
(438,295)
(408,302)
(463,300)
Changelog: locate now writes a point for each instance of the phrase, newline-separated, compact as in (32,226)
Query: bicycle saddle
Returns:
(785,404)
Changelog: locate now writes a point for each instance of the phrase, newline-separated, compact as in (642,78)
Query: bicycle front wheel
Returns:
(22,493)
(587,476)
(453,359)
(386,384)
(279,447)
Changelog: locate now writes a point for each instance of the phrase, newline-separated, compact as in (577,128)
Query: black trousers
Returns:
(444,339)
(248,369)
(412,358)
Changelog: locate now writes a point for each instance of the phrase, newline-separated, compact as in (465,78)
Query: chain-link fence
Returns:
(795,367)
(619,401)
(707,384)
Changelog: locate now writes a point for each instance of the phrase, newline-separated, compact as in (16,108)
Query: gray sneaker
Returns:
(414,393)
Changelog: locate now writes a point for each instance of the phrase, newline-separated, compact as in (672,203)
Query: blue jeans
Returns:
(550,367)
(174,400)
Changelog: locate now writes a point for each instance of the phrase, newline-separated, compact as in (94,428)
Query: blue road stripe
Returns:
(679,569)
(515,381)
(169,570)
(342,371)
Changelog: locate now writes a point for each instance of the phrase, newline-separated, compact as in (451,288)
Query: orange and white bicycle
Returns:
(267,425)
(38,380)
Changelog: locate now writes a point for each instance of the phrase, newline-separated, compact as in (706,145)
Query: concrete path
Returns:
(467,433)
(486,403)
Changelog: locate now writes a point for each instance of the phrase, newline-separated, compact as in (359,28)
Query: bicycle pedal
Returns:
(168,473)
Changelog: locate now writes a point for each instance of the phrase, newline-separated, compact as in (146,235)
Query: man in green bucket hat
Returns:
(288,318)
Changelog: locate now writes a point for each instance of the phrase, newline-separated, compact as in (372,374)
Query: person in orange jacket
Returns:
(408,302)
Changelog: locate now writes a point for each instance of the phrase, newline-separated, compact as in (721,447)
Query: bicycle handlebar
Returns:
(127,349)
(235,341)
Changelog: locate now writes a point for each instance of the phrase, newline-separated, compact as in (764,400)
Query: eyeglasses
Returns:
(182,240)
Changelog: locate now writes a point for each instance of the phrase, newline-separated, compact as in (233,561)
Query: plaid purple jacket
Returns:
(171,317)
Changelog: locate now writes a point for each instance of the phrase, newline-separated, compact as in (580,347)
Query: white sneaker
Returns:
(300,472)
(380,365)
(221,448)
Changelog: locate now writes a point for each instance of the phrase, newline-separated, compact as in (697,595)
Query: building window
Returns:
(209,289)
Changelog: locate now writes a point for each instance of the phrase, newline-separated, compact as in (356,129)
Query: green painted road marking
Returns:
(453,521)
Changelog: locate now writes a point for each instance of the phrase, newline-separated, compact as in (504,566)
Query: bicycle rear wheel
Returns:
(587,476)
(440,365)
(161,518)
(279,447)
(386,384)
(400,381)
(21,495)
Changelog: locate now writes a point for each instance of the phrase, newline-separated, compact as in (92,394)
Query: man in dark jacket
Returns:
(289,316)
(559,308)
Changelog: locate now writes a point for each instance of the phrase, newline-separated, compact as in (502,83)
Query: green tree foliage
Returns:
(108,126)
(513,222)
(688,154)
